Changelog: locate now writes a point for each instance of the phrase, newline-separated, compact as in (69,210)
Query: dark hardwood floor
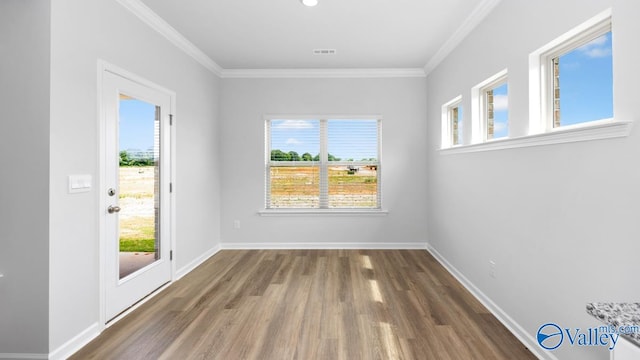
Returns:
(311,304)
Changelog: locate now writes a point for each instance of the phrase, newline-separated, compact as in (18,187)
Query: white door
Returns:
(136,183)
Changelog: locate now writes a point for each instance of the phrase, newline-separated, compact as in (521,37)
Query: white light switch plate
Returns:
(79,183)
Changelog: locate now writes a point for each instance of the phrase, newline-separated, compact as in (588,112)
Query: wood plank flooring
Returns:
(311,304)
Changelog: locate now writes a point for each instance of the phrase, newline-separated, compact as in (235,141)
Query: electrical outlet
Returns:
(492,269)
(236,224)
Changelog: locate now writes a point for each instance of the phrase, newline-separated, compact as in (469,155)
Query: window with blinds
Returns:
(323,163)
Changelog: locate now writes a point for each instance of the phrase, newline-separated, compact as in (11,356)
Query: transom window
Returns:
(452,123)
(490,103)
(582,86)
(496,114)
(323,163)
(571,78)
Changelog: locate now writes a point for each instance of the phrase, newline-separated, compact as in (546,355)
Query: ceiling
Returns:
(282,34)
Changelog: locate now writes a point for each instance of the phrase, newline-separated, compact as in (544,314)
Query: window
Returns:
(497,111)
(452,123)
(490,101)
(323,163)
(572,81)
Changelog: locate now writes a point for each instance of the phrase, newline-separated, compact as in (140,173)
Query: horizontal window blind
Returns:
(322,164)
(353,163)
(293,164)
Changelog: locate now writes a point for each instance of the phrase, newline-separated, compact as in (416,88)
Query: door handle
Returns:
(113,209)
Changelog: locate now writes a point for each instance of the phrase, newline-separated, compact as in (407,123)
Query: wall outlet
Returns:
(236,224)
(492,269)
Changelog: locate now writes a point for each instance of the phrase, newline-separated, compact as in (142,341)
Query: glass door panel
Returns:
(138,184)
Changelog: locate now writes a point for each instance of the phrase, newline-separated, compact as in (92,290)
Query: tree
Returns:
(293,156)
(279,155)
(333,158)
(307,157)
(124,158)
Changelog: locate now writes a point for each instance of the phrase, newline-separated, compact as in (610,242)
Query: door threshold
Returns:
(135,306)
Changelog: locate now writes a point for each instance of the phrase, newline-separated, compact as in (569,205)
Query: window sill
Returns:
(323,212)
(606,129)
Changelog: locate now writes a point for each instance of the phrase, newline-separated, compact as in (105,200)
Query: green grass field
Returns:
(137,220)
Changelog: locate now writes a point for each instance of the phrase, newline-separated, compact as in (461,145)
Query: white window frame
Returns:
(447,140)
(541,73)
(324,186)
(479,107)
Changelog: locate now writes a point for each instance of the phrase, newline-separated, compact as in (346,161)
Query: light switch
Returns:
(79,183)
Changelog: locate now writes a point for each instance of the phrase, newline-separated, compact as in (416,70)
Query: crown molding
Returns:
(322,73)
(474,19)
(163,28)
(158,24)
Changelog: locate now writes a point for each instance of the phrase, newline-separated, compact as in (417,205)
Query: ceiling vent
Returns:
(324,51)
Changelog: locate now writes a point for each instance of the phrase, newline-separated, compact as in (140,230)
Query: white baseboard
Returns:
(324,246)
(518,331)
(70,347)
(20,356)
(196,262)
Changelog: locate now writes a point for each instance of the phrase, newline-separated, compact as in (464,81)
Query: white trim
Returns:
(158,24)
(325,246)
(478,106)
(196,262)
(15,356)
(323,212)
(76,343)
(518,331)
(604,129)
(540,76)
(446,140)
(471,22)
(322,73)
(106,66)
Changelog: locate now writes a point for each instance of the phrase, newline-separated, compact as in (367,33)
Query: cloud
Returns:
(294,124)
(598,52)
(292,141)
(596,48)
(499,127)
(500,102)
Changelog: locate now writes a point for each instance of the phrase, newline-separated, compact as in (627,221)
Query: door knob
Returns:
(113,209)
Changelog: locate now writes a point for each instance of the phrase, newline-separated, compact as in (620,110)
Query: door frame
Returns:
(103,67)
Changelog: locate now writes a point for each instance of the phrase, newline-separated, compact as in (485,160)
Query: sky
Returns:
(501,111)
(347,139)
(586,82)
(136,124)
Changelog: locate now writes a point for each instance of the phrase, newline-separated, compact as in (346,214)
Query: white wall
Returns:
(81,33)
(401,103)
(24,176)
(560,221)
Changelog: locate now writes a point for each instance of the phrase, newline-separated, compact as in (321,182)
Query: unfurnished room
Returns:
(319,179)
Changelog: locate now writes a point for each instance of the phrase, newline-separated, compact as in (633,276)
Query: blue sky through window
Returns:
(301,136)
(136,122)
(347,139)
(586,82)
(353,139)
(501,111)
